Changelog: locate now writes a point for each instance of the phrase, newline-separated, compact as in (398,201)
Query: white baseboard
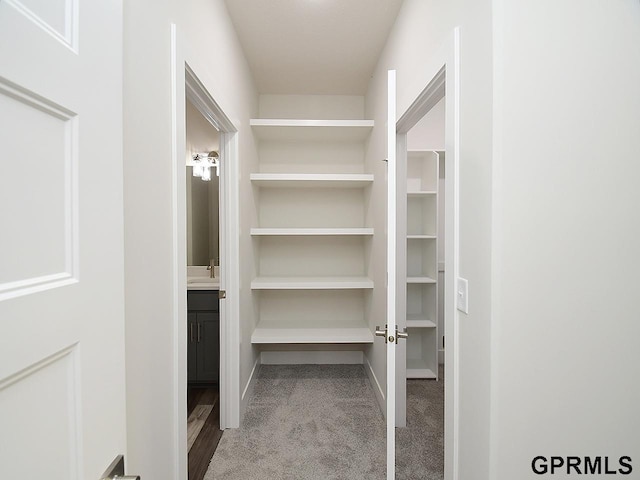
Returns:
(248,389)
(311,357)
(377,388)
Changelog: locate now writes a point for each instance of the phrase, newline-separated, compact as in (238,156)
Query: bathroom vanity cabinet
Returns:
(203,336)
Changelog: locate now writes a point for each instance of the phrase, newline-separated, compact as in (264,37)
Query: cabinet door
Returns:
(208,357)
(192,346)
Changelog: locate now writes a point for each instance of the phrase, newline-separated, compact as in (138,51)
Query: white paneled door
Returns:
(62,398)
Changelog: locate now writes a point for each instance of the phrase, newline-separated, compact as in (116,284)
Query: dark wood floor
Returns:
(207,440)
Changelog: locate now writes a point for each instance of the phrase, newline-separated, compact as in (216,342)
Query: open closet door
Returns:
(391,334)
(62,365)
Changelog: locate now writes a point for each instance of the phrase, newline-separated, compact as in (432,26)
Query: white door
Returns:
(62,398)
(391,274)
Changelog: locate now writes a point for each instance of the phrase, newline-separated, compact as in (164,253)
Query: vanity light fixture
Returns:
(202,163)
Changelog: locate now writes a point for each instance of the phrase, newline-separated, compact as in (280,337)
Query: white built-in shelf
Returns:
(417,368)
(311,283)
(418,321)
(294,129)
(311,335)
(424,279)
(303,180)
(421,237)
(311,231)
(422,193)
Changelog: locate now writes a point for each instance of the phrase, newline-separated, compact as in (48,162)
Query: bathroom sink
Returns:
(202,280)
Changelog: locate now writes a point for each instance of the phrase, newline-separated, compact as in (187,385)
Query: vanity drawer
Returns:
(203,300)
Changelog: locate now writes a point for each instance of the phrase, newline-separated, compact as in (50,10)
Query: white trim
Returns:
(312,357)
(178,253)
(444,75)
(375,384)
(248,388)
(198,95)
(230,336)
(428,98)
(186,84)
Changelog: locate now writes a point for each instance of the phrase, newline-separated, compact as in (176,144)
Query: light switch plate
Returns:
(462,295)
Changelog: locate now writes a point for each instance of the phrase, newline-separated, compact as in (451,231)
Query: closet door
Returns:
(62,365)
(391,336)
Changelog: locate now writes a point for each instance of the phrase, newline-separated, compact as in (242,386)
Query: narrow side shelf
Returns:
(421,237)
(311,335)
(420,280)
(311,231)
(417,321)
(417,368)
(311,283)
(422,193)
(304,180)
(294,129)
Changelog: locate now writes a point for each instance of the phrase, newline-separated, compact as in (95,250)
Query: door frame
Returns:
(186,83)
(442,75)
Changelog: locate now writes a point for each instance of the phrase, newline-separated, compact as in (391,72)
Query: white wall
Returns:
(566,356)
(212,49)
(428,133)
(419,30)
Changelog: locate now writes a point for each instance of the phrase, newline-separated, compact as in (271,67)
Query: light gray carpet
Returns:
(420,446)
(323,422)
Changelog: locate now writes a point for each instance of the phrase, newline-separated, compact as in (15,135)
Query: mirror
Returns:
(202,196)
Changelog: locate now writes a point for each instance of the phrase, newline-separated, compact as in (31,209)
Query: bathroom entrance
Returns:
(205,260)
(203,289)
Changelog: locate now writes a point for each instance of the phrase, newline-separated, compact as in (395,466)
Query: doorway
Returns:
(441,92)
(203,287)
(421,168)
(187,87)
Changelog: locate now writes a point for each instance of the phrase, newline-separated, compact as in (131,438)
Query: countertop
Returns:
(203,283)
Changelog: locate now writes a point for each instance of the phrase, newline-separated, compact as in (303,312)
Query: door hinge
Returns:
(222,294)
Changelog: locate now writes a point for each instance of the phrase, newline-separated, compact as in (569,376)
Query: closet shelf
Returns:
(311,231)
(311,335)
(421,193)
(294,129)
(311,283)
(304,180)
(418,321)
(421,237)
(417,368)
(421,279)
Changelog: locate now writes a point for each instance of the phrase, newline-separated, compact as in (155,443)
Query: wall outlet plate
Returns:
(462,294)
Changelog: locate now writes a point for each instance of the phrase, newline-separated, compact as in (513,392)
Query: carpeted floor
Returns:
(308,422)
(420,446)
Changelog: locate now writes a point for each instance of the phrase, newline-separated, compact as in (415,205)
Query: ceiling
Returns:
(327,47)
